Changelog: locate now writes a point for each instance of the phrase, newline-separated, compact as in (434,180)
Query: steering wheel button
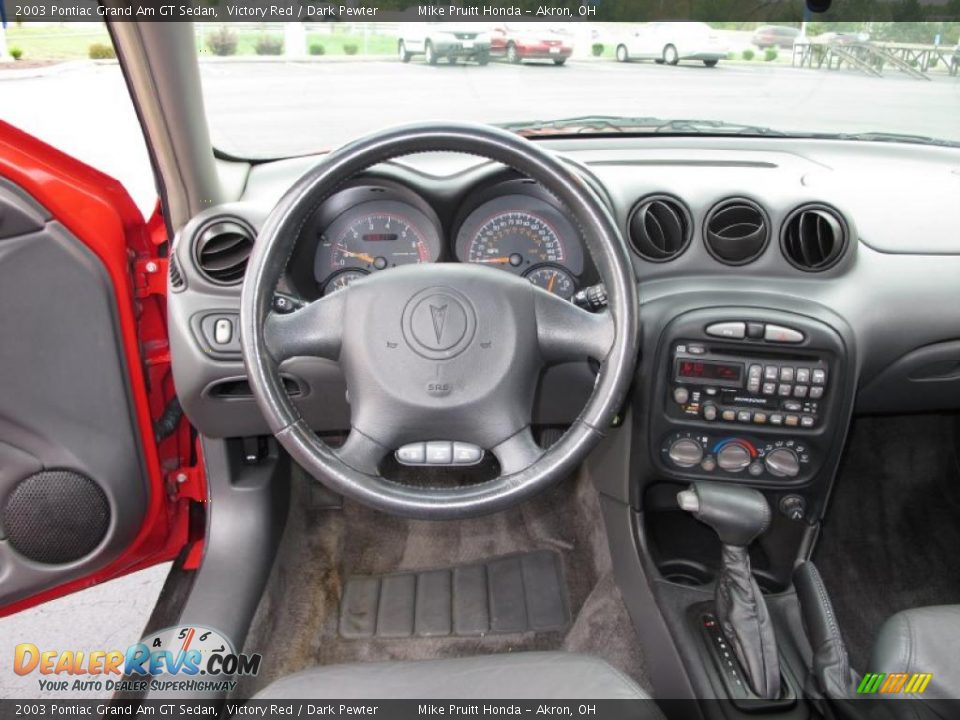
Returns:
(412,454)
(466,454)
(439,453)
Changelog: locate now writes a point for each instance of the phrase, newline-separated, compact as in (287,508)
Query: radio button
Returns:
(792,406)
(769,388)
(710,412)
(681,395)
(744,416)
(791,420)
(786,374)
(778,333)
(755,372)
(816,392)
(753,385)
(807,421)
(696,349)
(760,418)
(776,419)
(771,372)
(784,390)
(734,330)
(819,377)
(800,391)
(729,415)
(803,375)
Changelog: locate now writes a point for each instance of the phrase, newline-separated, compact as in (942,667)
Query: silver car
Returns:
(436,41)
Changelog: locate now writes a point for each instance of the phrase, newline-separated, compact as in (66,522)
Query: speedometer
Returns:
(517,232)
(518,239)
(374,236)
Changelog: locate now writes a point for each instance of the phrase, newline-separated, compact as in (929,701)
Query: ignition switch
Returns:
(793,506)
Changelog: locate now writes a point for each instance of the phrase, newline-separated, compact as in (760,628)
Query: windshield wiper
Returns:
(889,137)
(601,124)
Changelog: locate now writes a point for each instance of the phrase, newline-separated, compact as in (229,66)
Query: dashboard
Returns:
(507,224)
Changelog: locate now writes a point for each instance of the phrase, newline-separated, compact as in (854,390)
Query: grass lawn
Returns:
(332,42)
(68,42)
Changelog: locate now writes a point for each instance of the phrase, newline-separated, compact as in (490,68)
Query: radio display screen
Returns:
(706,370)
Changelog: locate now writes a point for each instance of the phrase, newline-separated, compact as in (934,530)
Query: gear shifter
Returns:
(739,515)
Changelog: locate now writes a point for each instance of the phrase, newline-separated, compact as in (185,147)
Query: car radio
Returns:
(762,389)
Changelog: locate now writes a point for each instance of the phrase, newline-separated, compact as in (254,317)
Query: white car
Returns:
(671,42)
(453,42)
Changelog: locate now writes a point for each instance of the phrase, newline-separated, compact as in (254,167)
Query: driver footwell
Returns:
(557,537)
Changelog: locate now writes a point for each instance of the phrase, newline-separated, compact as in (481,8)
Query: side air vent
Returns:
(813,238)
(736,231)
(222,251)
(177,283)
(659,228)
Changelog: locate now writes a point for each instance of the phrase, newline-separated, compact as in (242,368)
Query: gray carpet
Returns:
(891,537)
(296,626)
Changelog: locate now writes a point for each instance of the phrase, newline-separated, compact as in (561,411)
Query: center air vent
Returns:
(659,228)
(223,249)
(736,231)
(813,238)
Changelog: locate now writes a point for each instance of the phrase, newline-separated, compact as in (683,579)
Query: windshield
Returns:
(296,88)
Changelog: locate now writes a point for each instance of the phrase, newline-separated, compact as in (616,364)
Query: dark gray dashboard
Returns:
(893,290)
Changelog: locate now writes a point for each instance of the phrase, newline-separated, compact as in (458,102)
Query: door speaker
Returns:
(55,516)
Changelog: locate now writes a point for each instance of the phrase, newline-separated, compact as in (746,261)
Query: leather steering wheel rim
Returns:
(615,336)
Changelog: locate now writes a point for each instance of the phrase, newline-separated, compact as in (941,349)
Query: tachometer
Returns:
(374,236)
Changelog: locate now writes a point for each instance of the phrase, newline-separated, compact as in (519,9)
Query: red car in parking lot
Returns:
(530,41)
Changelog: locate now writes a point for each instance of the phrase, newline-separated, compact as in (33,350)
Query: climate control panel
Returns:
(737,456)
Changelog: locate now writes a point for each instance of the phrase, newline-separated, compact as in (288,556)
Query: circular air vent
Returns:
(813,237)
(223,249)
(736,231)
(659,228)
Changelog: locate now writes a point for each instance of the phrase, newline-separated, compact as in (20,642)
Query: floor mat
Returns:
(519,593)
(891,536)
(298,623)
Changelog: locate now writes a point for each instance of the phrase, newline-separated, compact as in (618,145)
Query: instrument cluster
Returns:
(512,225)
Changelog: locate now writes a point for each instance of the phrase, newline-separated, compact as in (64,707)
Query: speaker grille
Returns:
(56,516)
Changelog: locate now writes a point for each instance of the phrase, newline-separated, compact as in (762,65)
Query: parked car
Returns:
(530,41)
(436,41)
(780,36)
(671,42)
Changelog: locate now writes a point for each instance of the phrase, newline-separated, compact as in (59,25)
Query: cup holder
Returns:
(685,572)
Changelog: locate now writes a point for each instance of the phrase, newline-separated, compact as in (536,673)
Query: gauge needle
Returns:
(359,256)
(496,261)
(553,281)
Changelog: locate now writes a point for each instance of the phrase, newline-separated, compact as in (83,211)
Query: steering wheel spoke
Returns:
(361,452)
(313,330)
(517,452)
(567,332)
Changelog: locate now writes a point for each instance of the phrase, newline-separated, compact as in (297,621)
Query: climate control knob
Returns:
(685,452)
(733,458)
(782,462)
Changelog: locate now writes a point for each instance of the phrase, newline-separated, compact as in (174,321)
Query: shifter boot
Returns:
(745,620)
(739,515)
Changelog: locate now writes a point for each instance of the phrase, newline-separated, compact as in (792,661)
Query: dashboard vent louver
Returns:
(736,231)
(223,249)
(177,283)
(813,238)
(659,228)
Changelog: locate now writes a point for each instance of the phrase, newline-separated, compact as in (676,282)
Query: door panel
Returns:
(82,494)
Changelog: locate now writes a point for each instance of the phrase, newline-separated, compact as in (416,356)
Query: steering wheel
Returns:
(445,351)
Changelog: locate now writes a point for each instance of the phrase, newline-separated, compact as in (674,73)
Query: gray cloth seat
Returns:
(526,675)
(922,640)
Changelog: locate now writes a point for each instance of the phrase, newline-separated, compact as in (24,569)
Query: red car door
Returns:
(97,465)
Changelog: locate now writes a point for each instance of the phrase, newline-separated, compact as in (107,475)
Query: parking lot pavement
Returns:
(293,108)
(110,616)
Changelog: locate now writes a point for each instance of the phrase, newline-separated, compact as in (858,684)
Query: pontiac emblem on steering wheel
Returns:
(439,315)
(439,323)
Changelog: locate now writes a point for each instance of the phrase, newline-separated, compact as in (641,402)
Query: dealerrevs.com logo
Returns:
(177,659)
